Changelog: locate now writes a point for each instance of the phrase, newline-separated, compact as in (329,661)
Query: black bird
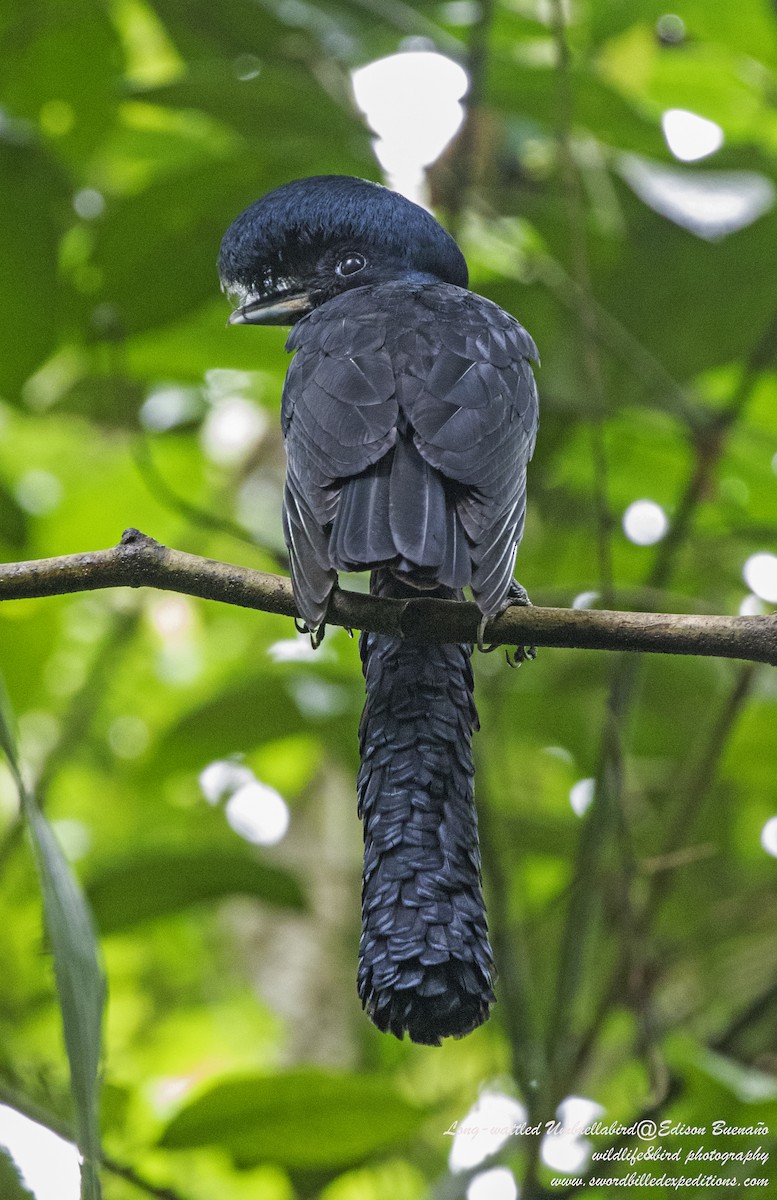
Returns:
(409,413)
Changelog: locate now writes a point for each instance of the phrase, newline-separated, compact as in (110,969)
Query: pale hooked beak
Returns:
(282,308)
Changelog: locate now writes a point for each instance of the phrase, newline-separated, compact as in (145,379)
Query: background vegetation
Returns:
(636,945)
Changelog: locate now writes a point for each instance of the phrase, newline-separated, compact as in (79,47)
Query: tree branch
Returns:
(139,561)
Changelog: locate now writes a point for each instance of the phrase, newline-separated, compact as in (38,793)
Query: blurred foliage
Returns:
(636,946)
(78,970)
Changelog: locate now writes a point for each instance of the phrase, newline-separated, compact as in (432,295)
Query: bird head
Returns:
(310,240)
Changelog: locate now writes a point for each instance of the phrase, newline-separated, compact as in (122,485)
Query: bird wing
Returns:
(339,417)
(472,402)
(409,413)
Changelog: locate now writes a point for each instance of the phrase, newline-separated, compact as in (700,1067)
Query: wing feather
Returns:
(475,415)
(361,530)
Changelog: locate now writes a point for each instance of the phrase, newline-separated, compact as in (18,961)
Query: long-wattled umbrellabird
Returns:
(409,414)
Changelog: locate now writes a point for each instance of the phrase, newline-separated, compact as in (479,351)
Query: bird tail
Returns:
(425,963)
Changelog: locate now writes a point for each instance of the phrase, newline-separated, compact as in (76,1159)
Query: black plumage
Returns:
(409,414)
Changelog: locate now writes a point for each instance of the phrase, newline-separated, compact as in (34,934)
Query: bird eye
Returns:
(351,264)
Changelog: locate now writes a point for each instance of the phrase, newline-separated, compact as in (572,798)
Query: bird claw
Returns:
(517,596)
(316,635)
(481,632)
(520,655)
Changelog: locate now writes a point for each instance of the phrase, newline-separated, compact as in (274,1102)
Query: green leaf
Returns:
(240,717)
(77,969)
(230,27)
(11,1186)
(305,1120)
(611,117)
(34,195)
(608,18)
(8,742)
(111,402)
(747,1083)
(156,882)
(747,28)
(185,350)
(351,30)
(80,984)
(157,255)
(44,51)
(279,93)
(13,520)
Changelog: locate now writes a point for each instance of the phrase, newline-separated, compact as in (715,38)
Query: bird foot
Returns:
(516,596)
